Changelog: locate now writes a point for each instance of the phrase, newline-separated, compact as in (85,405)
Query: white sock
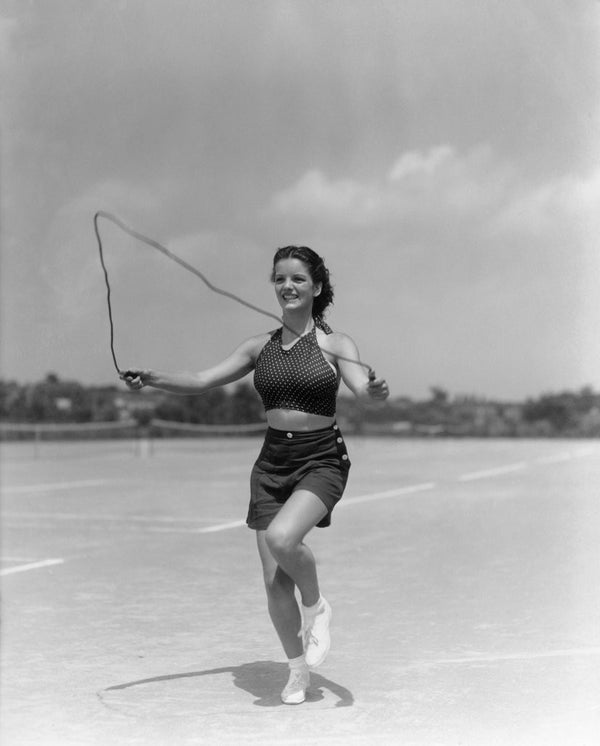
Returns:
(295,663)
(310,612)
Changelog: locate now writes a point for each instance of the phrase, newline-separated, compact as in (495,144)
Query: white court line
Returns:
(218,527)
(408,490)
(568,653)
(206,530)
(498,471)
(110,517)
(555,459)
(50,486)
(566,455)
(31,566)
(585,451)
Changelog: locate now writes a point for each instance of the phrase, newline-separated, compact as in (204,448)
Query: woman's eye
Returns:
(297,280)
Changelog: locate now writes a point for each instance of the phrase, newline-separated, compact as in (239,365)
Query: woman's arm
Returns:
(356,377)
(236,366)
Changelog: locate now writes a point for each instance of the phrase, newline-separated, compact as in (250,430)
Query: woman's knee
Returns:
(280,541)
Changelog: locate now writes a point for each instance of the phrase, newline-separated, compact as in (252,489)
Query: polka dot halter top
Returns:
(297,378)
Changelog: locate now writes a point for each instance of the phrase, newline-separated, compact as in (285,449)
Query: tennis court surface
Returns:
(464,578)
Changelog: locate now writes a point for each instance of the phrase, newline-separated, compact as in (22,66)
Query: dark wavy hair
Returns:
(318,273)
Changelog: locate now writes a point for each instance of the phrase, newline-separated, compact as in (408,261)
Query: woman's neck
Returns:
(297,324)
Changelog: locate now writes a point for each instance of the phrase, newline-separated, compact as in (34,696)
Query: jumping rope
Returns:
(163,250)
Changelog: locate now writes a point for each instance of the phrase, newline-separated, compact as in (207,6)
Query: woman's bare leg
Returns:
(281,598)
(284,539)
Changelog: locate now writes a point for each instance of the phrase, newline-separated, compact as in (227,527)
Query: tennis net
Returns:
(48,440)
(167,429)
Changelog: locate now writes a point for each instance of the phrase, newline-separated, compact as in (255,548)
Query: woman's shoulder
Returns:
(335,342)
(255,344)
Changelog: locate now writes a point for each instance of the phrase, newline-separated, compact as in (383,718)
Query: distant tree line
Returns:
(53,400)
(61,402)
(564,414)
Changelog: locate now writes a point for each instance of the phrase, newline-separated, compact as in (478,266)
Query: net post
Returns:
(37,437)
(144,442)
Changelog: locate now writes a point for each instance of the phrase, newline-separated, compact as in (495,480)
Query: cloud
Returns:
(569,202)
(418,163)
(435,185)
(442,187)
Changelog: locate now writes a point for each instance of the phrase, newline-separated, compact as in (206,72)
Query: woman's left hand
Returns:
(377,388)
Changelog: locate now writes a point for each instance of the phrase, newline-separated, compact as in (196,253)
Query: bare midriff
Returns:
(293,420)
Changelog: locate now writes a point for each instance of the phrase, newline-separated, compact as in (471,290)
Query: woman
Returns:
(303,466)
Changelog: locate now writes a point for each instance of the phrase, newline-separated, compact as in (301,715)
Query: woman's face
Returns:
(294,287)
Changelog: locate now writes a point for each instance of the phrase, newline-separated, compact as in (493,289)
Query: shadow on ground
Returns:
(262,679)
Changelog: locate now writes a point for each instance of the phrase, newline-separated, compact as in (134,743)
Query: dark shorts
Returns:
(316,461)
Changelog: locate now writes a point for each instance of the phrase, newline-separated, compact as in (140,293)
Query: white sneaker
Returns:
(295,690)
(316,637)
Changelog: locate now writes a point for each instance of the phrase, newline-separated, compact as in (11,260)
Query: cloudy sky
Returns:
(443,156)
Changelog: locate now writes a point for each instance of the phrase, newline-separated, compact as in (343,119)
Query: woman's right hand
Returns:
(135,378)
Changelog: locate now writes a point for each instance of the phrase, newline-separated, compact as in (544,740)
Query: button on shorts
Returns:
(288,461)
